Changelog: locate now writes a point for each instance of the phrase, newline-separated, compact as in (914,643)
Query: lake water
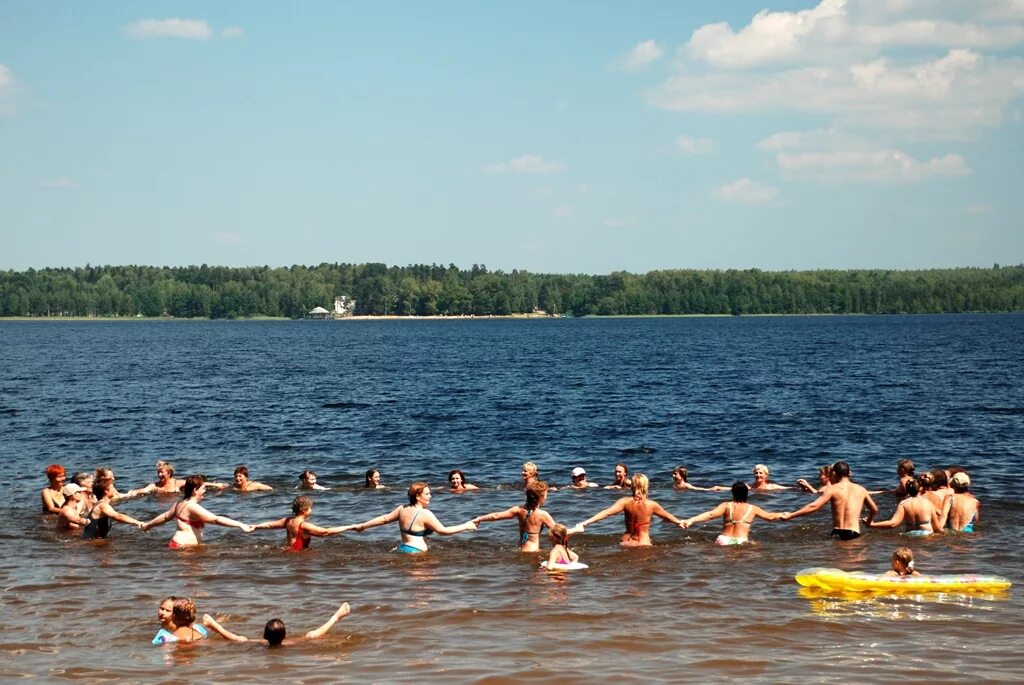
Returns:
(418,398)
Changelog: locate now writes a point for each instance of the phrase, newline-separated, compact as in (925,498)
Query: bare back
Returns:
(848,499)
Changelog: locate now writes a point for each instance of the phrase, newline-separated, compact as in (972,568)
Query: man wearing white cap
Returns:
(579,479)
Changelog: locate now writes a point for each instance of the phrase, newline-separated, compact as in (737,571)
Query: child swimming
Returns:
(560,554)
(902,563)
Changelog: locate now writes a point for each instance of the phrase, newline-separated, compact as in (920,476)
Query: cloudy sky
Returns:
(585,136)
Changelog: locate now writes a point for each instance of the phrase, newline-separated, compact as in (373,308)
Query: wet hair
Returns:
(55,471)
(905,467)
(274,632)
(624,467)
(560,535)
(739,491)
(461,475)
(535,493)
(925,481)
(415,490)
(939,478)
(242,470)
(304,476)
(762,466)
(840,470)
(99,488)
(369,475)
(301,505)
(639,484)
(825,471)
(681,470)
(912,488)
(191,484)
(184,612)
(530,468)
(166,466)
(81,477)
(104,474)
(905,556)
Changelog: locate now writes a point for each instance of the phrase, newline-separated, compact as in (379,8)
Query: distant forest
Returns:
(227,292)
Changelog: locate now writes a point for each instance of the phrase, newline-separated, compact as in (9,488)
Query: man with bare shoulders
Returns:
(848,500)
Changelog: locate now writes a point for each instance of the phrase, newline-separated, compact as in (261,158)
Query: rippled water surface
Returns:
(416,399)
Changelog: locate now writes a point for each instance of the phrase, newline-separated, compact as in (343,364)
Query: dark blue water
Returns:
(418,398)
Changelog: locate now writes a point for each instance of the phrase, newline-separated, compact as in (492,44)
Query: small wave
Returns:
(1015,411)
(8,411)
(642,449)
(344,405)
(280,448)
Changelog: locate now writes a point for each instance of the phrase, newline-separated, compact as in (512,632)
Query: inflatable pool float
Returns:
(858,581)
(571,566)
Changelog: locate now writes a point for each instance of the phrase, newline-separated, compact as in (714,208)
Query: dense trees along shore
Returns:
(229,292)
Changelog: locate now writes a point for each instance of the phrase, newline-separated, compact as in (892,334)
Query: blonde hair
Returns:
(639,484)
(762,466)
(905,556)
(560,535)
(530,468)
(166,466)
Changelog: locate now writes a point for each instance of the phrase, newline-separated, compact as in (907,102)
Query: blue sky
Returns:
(584,136)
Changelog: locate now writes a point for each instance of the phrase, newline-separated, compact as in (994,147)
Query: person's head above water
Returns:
(535,494)
(302,505)
(903,561)
(274,632)
(960,482)
(905,467)
(191,486)
(840,470)
(529,470)
(416,490)
(372,478)
(739,491)
(183,612)
(639,485)
(456,478)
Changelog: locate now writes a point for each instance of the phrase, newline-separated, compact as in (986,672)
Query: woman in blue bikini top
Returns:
(415,521)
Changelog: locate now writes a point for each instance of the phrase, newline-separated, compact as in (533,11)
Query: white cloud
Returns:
(642,55)
(748,192)
(193,29)
(527,164)
(694,146)
(6,91)
(874,166)
(835,28)
(59,182)
(950,96)
(232,32)
(564,212)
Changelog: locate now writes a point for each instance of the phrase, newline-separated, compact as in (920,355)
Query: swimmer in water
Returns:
(529,473)
(560,554)
(531,517)
(190,516)
(307,481)
(579,479)
(621,481)
(415,521)
(373,480)
(274,632)
(637,512)
(824,480)
(102,513)
(243,484)
(298,529)
(848,500)
(961,510)
(165,480)
(736,518)
(457,482)
(902,563)
(177,616)
(916,511)
(680,482)
(72,514)
(761,482)
(52,495)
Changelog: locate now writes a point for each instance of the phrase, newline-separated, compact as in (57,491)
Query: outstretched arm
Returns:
(872,508)
(267,525)
(660,512)
(605,513)
(110,512)
(430,521)
(317,531)
(198,511)
(897,519)
(767,515)
(706,516)
(378,520)
(809,508)
(498,515)
(211,623)
(342,611)
(159,520)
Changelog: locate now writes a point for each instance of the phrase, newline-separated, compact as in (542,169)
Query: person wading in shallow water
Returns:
(274,632)
(637,512)
(847,498)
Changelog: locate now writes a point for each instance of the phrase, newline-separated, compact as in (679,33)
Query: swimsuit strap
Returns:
(743,519)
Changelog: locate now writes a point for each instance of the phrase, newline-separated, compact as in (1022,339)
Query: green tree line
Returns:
(229,292)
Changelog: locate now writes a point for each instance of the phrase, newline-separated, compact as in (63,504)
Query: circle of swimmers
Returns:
(930,503)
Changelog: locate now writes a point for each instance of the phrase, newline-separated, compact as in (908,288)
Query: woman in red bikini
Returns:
(638,511)
(190,516)
(298,528)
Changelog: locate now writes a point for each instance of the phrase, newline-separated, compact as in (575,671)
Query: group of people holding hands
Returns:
(930,503)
